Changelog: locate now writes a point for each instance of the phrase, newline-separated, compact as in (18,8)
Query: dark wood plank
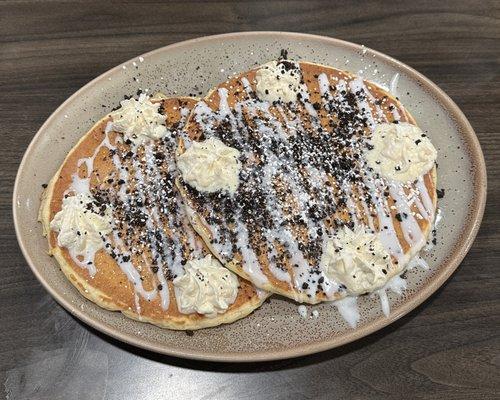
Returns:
(449,348)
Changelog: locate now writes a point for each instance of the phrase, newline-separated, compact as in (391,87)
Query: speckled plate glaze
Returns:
(276,330)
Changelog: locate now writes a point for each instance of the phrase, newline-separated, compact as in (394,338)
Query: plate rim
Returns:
(438,279)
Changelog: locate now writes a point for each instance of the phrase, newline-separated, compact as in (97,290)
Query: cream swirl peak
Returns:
(206,287)
(356,259)
(139,120)
(278,81)
(81,227)
(210,166)
(401,152)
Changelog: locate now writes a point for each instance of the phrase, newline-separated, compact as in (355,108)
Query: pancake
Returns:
(305,180)
(150,242)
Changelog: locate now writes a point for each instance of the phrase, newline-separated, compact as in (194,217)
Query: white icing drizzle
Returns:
(426,198)
(348,306)
(223,103)
(415,199)
(123,175)
(368,216)
(302,310)
(204,116)
(396,284)
(246,85)
(250,263)
(411,230)
(309,107)
(437,220)
(278,273)
(348,309)
(152,220)
(393,86)
(324,85)
(380,113)
(175,261)
(357,86)
(82,185)
(351,206)
(387,233)
(137,304)
(395,114)
(130,271)
(417,261)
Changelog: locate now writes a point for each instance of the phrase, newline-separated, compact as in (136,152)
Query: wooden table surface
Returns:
(448,348)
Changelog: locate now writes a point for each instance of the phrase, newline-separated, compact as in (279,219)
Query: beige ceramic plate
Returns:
(276,330)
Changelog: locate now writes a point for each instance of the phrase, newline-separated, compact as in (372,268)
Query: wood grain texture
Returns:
(448,348)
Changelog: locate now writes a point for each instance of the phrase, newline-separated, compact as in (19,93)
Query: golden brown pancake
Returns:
(157,247)
(303,177)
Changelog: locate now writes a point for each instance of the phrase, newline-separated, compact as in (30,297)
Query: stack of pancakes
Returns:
(303,177)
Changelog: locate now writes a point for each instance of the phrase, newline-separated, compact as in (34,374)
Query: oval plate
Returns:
(276,330)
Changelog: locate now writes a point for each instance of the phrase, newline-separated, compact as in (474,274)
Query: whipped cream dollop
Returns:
(357,259)
(139,120)
(205,288)
(81,226)
(278,81)
(400,151)
(210,166)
